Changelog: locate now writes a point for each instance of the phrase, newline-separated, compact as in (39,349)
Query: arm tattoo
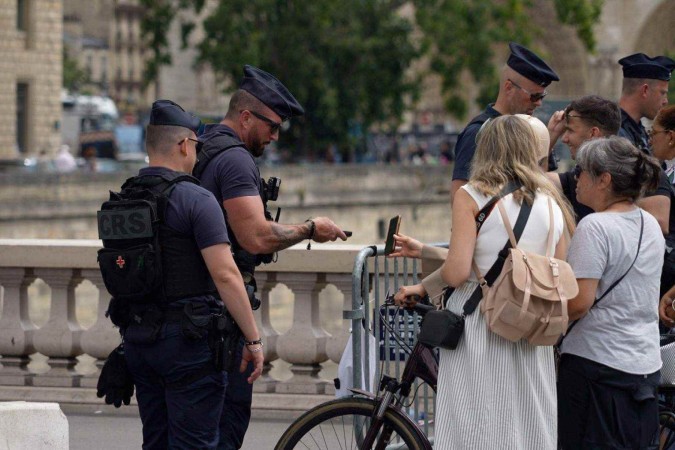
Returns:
(287,235)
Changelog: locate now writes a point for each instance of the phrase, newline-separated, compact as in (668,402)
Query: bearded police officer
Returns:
(522,86)
(167,292)
(227,168)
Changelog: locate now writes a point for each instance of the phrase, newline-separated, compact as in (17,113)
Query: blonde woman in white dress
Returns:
(493,393)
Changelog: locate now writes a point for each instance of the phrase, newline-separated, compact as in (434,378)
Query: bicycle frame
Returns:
(422,363)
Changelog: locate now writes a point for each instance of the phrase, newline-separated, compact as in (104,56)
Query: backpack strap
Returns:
(492,274)
(211,149)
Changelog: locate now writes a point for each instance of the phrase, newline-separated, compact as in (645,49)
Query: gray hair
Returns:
(633,172)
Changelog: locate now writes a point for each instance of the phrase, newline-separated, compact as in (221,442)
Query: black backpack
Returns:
(128,224)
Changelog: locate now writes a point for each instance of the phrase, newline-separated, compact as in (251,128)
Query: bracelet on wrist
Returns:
(312,229)
(257,341)
(255,350)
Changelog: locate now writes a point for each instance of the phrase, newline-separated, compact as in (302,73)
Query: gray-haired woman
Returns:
(609,368)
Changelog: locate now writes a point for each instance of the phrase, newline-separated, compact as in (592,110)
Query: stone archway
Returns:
(656,35)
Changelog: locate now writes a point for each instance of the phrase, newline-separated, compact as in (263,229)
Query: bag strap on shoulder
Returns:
(597,300)
(492,274)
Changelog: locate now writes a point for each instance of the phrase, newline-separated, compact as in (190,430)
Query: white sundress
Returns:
(493,393)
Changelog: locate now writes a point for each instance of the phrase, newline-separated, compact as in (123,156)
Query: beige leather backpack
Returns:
(529,297)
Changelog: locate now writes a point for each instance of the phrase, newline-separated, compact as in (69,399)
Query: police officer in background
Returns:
(522,86)
(228,169)
(643,93)
(168,336)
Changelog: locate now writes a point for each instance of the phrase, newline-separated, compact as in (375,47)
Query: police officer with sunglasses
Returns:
(228,169)
(522,87)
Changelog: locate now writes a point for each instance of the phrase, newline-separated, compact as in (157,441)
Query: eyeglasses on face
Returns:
(534,98)
(198,143)
(274,126)
(652,132)
(577,171)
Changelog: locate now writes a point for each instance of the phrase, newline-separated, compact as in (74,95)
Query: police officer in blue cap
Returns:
(167,267)
(228,169)
(522,87)
(643,94)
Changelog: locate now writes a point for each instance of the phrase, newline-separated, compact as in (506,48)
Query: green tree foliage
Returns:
(348,62)
(460,36)
(159,14)
(345,61)
(74,77)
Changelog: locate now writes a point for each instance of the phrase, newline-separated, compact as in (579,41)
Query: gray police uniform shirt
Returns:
(622,330)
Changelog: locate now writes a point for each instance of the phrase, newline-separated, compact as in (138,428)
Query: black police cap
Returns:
(640,65)
(166,112)
(529,65)
(271,92)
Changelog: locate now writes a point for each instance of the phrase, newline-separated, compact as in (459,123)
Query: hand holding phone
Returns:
(394,224)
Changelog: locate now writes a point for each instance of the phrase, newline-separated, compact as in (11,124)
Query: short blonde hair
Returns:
(541,134)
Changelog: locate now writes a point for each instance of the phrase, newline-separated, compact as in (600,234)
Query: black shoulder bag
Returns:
(443,328)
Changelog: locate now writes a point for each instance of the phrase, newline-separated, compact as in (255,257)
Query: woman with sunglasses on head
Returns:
(662,140)
(610,359)
(494,393)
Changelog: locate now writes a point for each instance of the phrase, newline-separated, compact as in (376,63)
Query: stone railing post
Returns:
(60,337)
(266,282)
(336,344)
(16,328)
(102,337)
(304,345)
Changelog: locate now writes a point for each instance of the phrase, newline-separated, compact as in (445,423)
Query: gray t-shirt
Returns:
(622,330)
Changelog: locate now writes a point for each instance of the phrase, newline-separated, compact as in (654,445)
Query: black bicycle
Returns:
(366,421)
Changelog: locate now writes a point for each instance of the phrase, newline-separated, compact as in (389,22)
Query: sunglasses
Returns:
(198,143)
(274,126)
(577,171)
(533,97)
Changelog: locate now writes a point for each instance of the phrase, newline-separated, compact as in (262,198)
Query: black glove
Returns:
(115,382)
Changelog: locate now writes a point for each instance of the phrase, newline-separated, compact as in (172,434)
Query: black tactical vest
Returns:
(143,260)
(246,262)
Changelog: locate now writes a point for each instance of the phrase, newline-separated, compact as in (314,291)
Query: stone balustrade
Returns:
(66,376)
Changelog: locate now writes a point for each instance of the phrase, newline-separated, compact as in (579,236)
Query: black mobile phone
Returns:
(347,233)
(394,224)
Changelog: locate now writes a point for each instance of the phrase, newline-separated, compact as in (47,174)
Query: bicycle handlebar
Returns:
(419,307)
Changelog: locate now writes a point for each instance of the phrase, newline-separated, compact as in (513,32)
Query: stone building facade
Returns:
(30,77)
(105,37)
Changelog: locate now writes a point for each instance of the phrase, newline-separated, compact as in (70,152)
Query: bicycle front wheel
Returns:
(343,423)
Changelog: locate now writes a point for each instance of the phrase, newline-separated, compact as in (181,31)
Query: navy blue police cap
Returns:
(640,65)
(529,65)
(271,92)
(166,112)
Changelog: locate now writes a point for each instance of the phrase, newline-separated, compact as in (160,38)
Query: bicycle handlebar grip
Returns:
(421,308)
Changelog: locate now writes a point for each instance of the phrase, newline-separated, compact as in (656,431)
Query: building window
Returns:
(22,15)
(22,116)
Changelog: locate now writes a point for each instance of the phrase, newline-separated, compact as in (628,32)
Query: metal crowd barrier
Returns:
(369,291)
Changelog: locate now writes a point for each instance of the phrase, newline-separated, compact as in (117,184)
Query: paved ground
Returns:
(105,429)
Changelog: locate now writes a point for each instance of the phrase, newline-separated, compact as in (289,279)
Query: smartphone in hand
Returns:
(394,224)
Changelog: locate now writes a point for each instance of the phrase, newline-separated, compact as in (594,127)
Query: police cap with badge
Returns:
(640,65)
(529,65)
